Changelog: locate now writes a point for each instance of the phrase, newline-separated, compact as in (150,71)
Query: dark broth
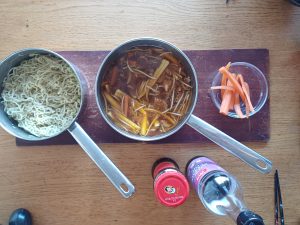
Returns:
(146,91)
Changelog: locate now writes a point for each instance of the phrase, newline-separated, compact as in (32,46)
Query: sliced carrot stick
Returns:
(171,58)
(229,84)
(126,104)
(224,80)
(114,75)
(228,98)
(233,89)
(234,82)
(237,106)
(222,88)
(224,109)
(223,83)
(241,79)
(247,109)
(234,93)
(231,104)
(247,89)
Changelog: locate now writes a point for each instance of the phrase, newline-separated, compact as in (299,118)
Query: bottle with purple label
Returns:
(219,191)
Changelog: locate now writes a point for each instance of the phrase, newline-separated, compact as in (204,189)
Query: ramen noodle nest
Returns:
(42,94)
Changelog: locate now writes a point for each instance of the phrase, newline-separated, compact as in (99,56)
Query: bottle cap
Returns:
(171,188)
(161,164)
(249,218)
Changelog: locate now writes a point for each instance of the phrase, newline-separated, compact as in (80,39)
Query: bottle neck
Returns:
(236,203)
(235,210)
(221,194)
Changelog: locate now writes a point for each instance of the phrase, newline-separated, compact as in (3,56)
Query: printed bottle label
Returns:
(198,168)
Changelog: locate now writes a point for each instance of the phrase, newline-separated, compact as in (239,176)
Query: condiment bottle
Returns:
(219,191)
(171,187)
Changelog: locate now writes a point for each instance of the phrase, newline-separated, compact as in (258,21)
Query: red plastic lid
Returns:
(171,188)
(161,166)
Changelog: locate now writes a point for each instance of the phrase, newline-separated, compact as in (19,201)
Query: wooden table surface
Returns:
(60,184)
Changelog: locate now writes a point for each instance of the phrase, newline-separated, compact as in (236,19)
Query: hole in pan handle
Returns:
(116,177)
(231,145)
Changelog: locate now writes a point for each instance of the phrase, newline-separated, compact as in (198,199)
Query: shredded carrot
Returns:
(233,88)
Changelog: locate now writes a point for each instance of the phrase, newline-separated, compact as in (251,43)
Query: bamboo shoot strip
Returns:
(159,71)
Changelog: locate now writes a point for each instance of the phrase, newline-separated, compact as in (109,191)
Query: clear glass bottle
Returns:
(219,191)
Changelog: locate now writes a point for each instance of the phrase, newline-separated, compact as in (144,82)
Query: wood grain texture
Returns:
(60,185)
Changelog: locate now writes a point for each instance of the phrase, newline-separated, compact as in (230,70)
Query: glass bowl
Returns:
(257,82)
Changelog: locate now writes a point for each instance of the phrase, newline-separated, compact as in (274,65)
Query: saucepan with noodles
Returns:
(147,89)
(41,97)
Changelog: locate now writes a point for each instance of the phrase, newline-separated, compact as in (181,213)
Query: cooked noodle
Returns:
(42,94)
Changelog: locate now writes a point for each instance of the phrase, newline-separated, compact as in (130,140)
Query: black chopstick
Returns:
(275,200)
(278,200)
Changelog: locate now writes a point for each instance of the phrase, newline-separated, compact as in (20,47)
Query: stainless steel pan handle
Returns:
(231,145)
(116,177)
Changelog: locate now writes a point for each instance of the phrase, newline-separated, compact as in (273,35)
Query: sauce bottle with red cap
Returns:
(171,187)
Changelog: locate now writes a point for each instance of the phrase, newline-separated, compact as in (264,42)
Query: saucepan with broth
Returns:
(147,89)
(41,97)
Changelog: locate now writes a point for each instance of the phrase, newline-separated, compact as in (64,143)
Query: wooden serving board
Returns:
(206,63)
